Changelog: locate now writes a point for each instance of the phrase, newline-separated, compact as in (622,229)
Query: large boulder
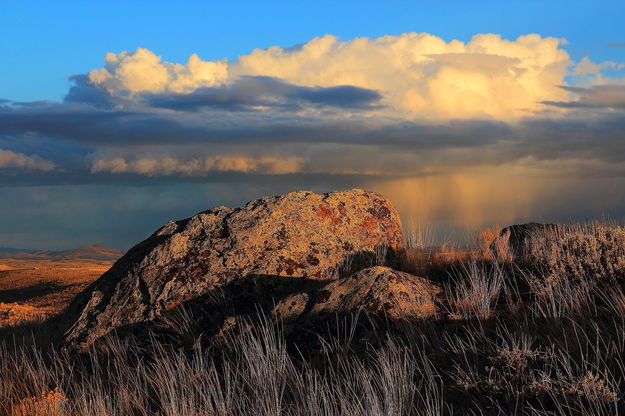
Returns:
(375,290)
(298,235)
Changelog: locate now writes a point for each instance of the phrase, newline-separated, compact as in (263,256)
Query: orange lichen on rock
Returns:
(325,211)
(46,404)
(368,223)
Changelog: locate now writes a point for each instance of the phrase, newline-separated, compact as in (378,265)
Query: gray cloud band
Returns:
(221,129)
(597,96)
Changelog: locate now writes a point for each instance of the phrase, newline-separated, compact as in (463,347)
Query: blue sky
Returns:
(118,116)
(43,42)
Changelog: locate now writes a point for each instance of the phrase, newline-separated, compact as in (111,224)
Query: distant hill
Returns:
(93,252)
(9,250)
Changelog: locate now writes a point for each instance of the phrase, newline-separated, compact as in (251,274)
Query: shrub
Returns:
(596,251)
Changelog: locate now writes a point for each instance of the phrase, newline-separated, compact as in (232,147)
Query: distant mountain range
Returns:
(93,252)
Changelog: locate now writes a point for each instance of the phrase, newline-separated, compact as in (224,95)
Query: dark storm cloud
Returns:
(118,129)
(81,124)
(598,96)
(345,96)
(68,136)
(337,151)
(600,137)
(90,126)
(82,91)
(249,93)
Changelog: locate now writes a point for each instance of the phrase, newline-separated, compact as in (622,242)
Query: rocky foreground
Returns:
(298,258)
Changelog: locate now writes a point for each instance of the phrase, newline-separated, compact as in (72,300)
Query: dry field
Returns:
(34,289)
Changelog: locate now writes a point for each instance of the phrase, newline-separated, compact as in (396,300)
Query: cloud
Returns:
(586,66)
(416,75)
(596,96)
(411,104)
(421,75)
(9,159)
(616,45)
(142,71)
(166,166)
(260,93)
(83,91)
(184,145)
(588,73)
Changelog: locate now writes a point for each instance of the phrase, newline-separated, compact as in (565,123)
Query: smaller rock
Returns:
(291,307)
(376,290)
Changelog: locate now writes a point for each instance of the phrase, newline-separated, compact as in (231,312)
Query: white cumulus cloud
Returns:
(419,75)
(143,71)
(422,75)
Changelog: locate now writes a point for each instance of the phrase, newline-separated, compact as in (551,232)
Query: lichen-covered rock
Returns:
(301,234)
(376,290)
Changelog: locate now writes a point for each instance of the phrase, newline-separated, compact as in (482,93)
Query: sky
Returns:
(116,117)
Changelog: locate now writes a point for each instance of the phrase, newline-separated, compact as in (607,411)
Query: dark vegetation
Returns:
(541,332)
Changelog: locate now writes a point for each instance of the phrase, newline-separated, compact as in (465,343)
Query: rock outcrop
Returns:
(376,290)
(298,235)
(515,240)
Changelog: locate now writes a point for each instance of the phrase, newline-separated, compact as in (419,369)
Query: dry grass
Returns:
(484,242)
(257,377)
(12,314)
(481,367)
(474,291)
